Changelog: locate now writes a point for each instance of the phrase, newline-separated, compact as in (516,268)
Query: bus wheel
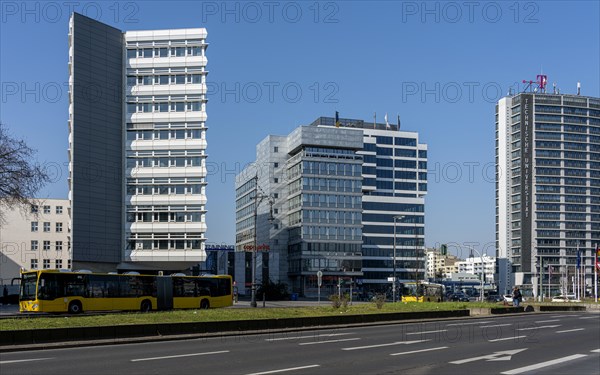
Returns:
(75,307)
(204,304)
(146,306)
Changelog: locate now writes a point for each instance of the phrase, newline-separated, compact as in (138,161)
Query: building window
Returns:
(69,264)
(46,209)
(34,226)
(275,195)
(46,226)
(58,263)
(46,264)
(34,264)
(275,149)
(275,165)
(46,245)
(59,227)
(58,245)
(34,245)
(275,180)
(59,210)
(34,209)
(276,210)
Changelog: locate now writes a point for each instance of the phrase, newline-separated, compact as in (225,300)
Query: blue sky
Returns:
(276,65)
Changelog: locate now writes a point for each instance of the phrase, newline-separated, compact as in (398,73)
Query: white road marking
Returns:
(547,321)
(497,356)
(284,370)
(328,341)
(540,327)
(570,330)
(595,351)
(543,364)
(178,356)
(308,337)
(23,360)
(468,324)
(508,338)
(422,350)
(387,344)
(589,317)
(426,332)
(497,325)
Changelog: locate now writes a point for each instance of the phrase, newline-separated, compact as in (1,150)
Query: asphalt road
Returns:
(557,343)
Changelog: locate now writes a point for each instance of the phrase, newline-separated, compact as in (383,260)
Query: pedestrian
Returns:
(516,297)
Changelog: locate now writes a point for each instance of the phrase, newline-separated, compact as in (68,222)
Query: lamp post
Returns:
(482,269)
(258,198)
(399,217)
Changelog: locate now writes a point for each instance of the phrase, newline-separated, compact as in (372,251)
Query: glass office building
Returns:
(329,198)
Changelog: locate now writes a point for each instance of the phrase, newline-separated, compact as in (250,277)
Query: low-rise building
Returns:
(35,237)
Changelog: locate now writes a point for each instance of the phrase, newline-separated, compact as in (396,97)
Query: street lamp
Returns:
(482,269)
(399,217)
(258,198)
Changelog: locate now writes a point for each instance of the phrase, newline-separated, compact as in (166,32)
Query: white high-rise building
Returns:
(137,147)
(547,190)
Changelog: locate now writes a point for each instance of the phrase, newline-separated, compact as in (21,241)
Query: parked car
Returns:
(508,298)
(562,298)
(458,297)
(494,298)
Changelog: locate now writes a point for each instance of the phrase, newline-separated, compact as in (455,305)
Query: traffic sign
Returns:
(319,278)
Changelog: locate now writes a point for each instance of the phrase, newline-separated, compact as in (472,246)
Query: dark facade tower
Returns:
(95,143)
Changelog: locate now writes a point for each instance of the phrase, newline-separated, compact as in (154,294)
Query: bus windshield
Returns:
(28,286)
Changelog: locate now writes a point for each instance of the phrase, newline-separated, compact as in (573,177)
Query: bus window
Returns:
(224,287)
(28,286)
(49,287)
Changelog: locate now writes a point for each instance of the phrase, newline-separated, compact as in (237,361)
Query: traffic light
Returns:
(444,249)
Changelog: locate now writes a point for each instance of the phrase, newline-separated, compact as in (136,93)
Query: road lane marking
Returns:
(426,332)
(387,344)
(547,321)
(595,351)
(284,370)
(178,356)
(308,337)
(419,351)
(504,355)
(23,360)
(329,341)
(508,338)
(570,330)
(543,364)
(497,325)
(468,324)
(540,327)
(589,317)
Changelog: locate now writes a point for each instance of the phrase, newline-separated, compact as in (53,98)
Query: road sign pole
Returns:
(319,283)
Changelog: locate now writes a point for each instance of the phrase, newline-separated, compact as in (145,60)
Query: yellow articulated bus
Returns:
(422,291)
(73,292)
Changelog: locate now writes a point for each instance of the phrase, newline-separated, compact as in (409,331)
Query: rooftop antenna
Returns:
(554,88)
(541,82)
(578,88)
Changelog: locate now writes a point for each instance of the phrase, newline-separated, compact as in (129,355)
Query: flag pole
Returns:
(596,265)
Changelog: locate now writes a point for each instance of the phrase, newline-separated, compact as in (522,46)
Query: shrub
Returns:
(379,300)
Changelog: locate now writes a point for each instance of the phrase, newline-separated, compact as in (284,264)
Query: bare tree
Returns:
(21,177)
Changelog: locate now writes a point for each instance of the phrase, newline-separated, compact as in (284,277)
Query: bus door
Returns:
(164,293)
